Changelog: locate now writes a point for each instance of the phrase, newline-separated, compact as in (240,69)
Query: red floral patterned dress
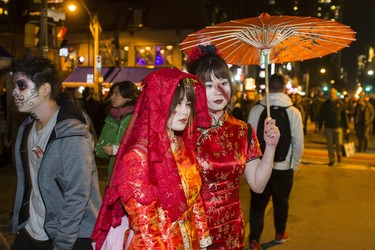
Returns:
(153,228)
(222,155)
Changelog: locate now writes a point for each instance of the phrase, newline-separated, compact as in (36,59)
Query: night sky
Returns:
(360,16)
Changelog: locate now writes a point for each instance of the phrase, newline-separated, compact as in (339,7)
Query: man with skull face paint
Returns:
(57,197)
(227,151)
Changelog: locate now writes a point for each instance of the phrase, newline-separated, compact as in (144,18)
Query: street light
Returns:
(95,29)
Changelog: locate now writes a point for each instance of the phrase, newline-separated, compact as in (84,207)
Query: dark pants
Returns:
(334,143)
(363,135)
(24,241)
(279,187)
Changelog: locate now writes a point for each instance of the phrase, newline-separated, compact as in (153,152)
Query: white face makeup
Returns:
(25,93)
(218,94)
(116,98)
(179,119)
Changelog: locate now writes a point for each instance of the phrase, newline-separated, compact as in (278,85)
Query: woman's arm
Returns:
(258,172)
(102,142)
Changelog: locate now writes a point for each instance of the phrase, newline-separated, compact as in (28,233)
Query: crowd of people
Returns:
(177,150)
(358,109)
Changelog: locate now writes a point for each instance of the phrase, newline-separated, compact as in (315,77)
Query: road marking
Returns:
(340,166)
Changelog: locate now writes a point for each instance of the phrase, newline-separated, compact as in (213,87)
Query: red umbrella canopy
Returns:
(285,38)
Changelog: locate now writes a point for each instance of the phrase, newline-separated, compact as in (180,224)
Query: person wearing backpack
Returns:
(288,156)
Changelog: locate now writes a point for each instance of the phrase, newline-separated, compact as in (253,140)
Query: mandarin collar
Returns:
(219,122)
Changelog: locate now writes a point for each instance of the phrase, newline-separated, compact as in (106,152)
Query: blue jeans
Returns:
(279,187)
(334,143)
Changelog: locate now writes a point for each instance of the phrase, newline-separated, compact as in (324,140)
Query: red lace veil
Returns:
(148,127)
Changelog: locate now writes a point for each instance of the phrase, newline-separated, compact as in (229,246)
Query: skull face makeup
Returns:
(25,93)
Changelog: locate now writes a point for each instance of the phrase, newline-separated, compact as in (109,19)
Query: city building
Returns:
(147,33)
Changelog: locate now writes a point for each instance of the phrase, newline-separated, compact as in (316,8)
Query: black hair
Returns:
(40,71)
(127,89)
(210,62)
(277,83)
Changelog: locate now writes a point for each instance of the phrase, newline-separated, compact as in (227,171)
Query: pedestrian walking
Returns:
(363,117)
(123,96)
(333,117)
(57,196)
(317,103)
(280,183)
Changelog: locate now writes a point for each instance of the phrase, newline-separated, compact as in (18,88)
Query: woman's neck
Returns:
(216,114)
(173,140)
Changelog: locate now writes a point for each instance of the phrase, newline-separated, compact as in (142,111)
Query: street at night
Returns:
(108,62)
(330,207)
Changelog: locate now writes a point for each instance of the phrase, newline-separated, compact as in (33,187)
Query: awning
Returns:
(79,77)
(110,75)
(132,74)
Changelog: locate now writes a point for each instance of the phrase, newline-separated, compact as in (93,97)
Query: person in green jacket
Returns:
(123,96)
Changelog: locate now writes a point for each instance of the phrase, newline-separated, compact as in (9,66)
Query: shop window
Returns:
(158,56)
(124,55)
(115,55)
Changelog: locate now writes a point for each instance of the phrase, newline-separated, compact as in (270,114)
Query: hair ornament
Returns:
(202,50)
(189,83)
(195,54)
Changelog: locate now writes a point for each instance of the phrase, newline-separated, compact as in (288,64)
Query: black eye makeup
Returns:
(21,84)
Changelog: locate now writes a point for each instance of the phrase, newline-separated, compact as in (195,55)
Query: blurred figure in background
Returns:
(298,103)
(236,106)
(363,117)
(317,103)
(251,98)
(372,101)
(123,97)
(95,108)
(349,108)
(333,117)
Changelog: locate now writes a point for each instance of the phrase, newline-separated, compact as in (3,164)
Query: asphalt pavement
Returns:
(330,207)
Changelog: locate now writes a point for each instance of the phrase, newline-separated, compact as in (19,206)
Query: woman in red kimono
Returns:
(155,180)
(227,151)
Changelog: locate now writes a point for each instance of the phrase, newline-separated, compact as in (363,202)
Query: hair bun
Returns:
(199,54)
(208,49)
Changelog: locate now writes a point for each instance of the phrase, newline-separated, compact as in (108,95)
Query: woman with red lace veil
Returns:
(227,151)
(155,181)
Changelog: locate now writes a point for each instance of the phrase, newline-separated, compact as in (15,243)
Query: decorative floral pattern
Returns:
(153,228)
(222,155)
